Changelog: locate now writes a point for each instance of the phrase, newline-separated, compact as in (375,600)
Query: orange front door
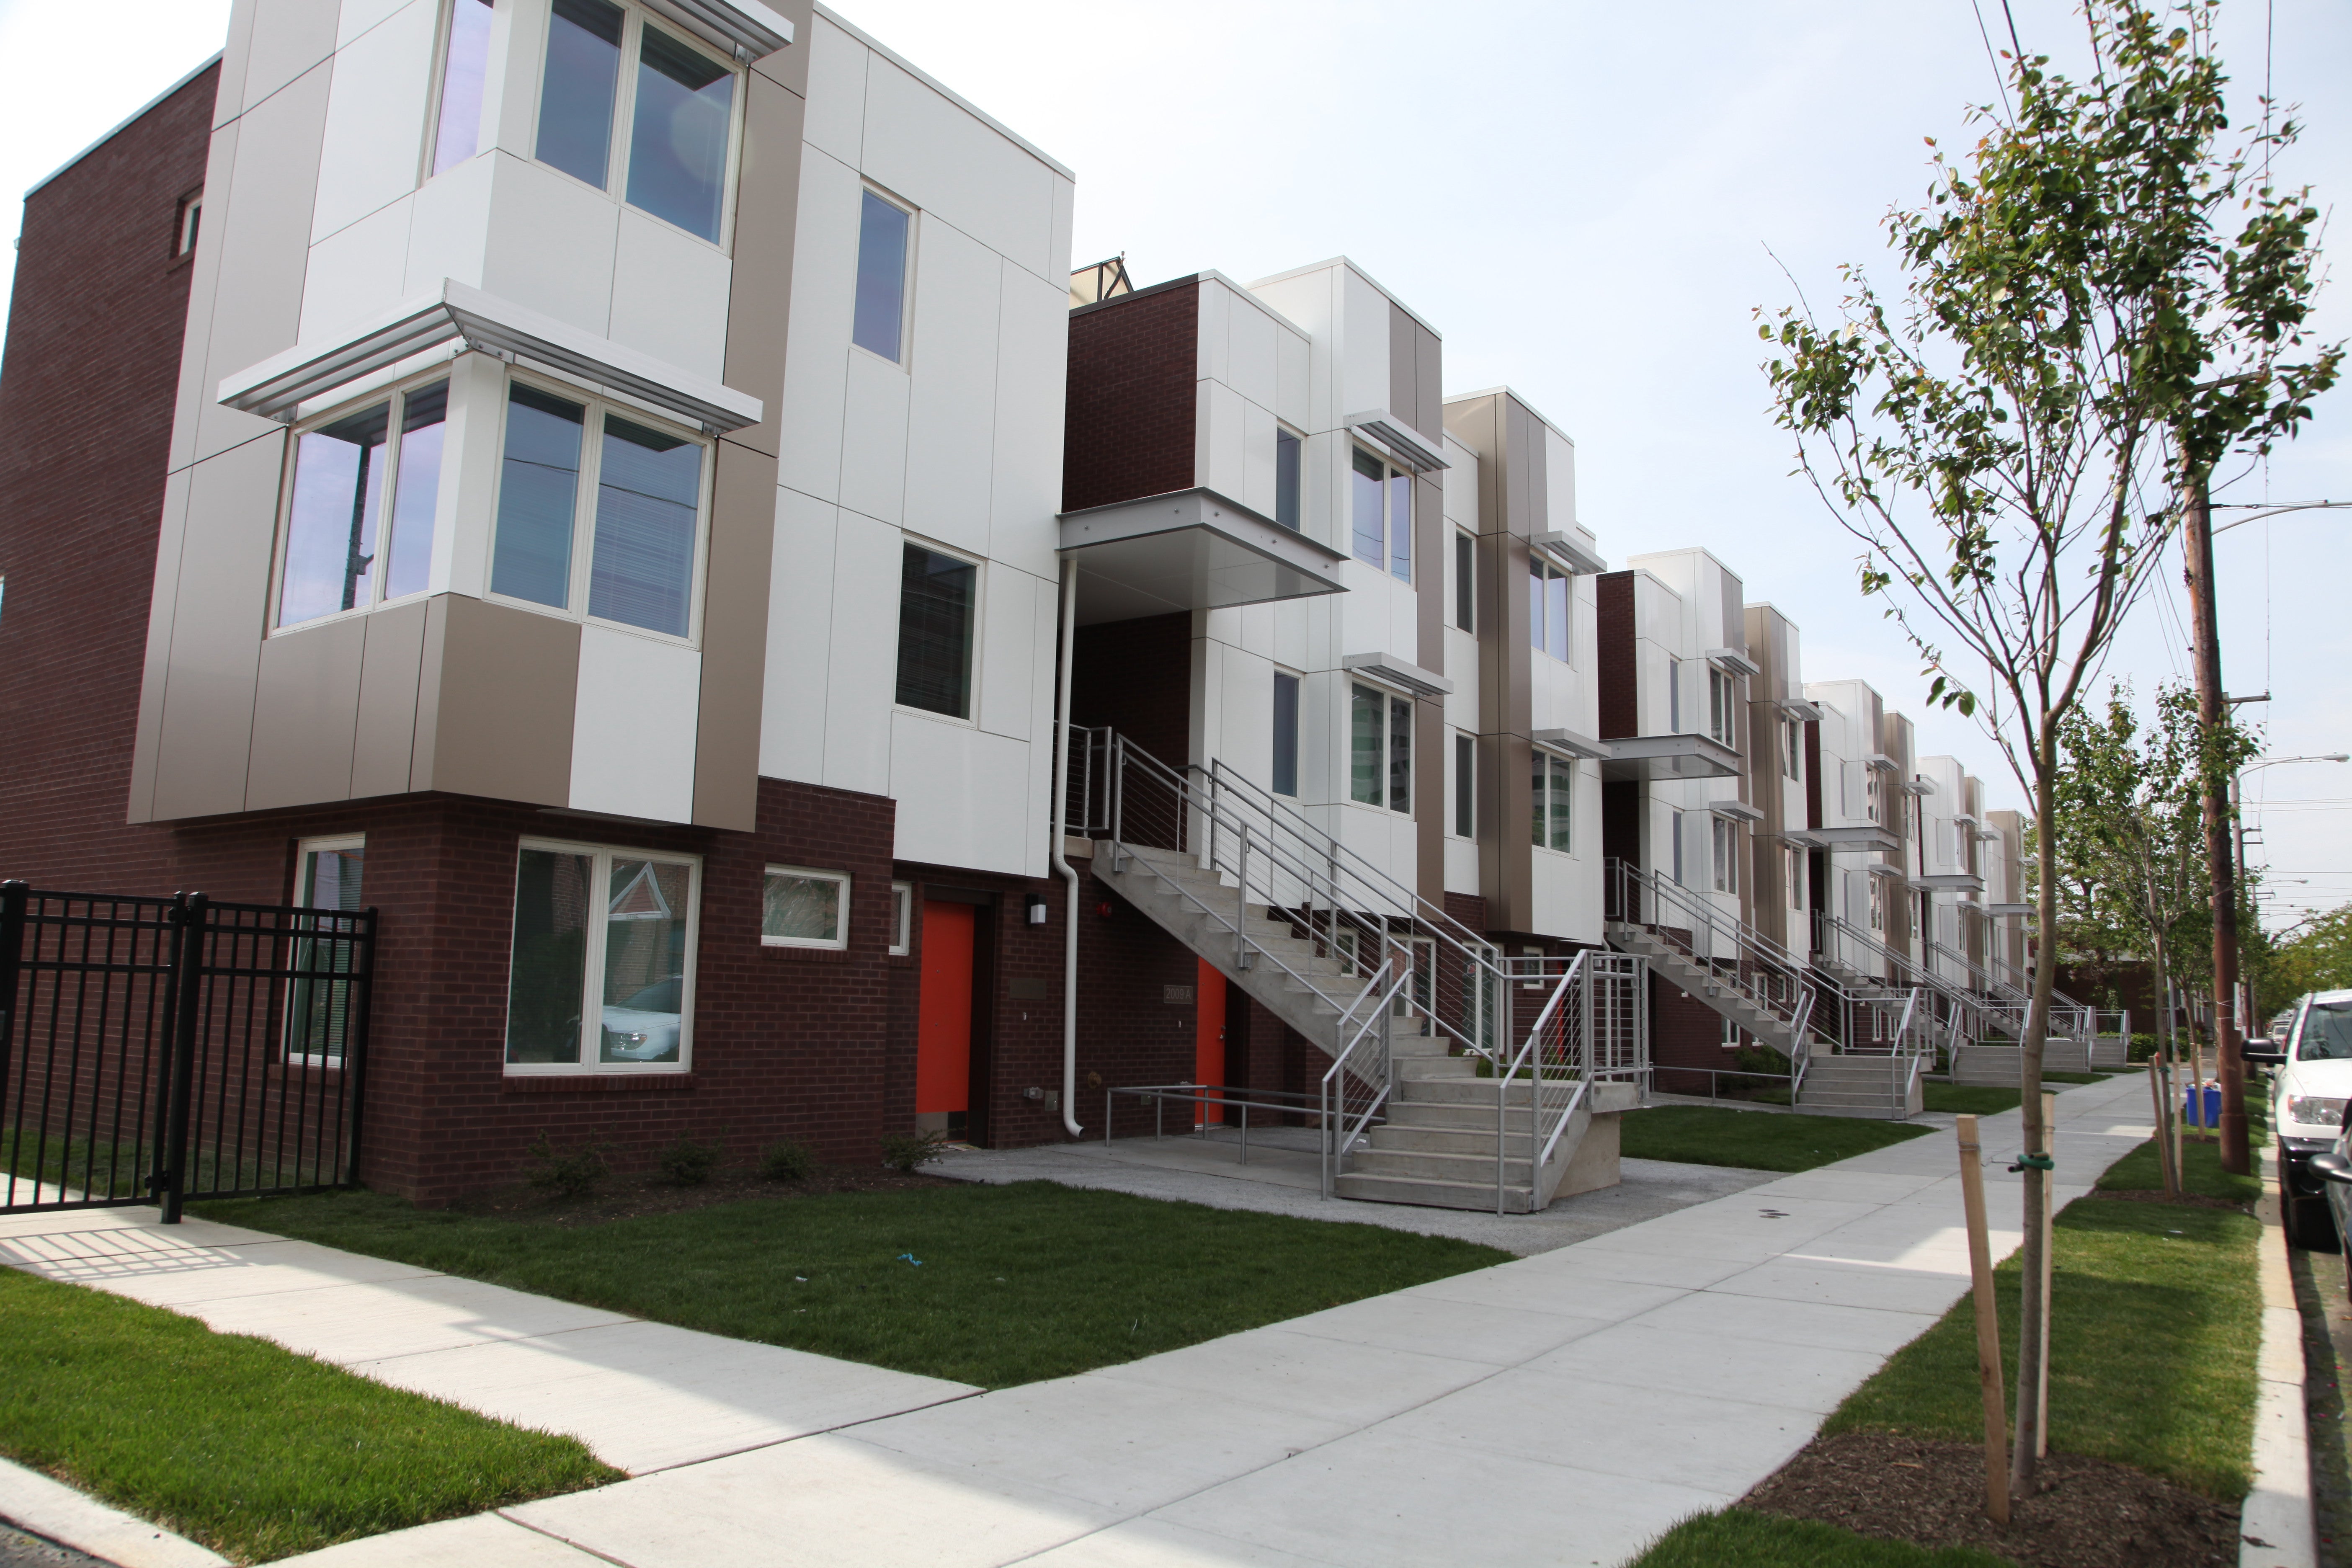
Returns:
(1209,1036)
(943,1027)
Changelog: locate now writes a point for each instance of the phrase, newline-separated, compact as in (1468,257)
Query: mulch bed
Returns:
(2091,1513)
(627,1196)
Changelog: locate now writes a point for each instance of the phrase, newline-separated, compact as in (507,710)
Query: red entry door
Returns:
(1208,1037)
(943,1026)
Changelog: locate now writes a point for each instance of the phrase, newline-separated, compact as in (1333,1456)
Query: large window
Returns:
(879,322)
(601,974)
(1548,601)
(1553,802)
(465,64)
(803,908)
(1289,452)
(1466,786)
(939,597)
(678,119)
(1721,698)
(599,511)
(350,474)
(1286,733)
(1381,510)
(319,1004)
(1727,854)
(1379,748)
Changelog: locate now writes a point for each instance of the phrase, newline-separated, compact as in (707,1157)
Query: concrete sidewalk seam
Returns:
(42,1505)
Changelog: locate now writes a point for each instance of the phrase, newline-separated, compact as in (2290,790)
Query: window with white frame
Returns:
(620,93)
(1792,867)
(939,606)
(1547,602)
(1727,854)
(191,218)
(600,976)
(1553,802)
(319,1002)
(1792,749)
(1720,697)
(1381,513)
(465,68)
(600,513)
(1289,468)
(801,907)
(361,505)
(884,245)
(1877,902)
(1379,748)
(902,919)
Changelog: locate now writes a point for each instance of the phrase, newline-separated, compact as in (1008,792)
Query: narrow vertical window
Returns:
(643,1000)
(1286,733)
(1539,787)
(192,213)
(1563,803)
(1465,582)
(1555,612)
(576,94)
(1400,754)
(1675,829)
(416,491)
(465,65)
(1365,497)
(1536,605)
(1367,715)
(1400,487)
(937,596)
(539,490)
(331,538)
(648,496)
(880,326)
(1722,856)
(1466,786)
(678,134)
(1673,696)
(318,1011)
(1288,455)
(548,966)
(1794,864)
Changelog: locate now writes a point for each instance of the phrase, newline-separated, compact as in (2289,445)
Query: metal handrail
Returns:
(1911,973)
(1338,1136)
(2085,1019)
(1800,1046)
(1533,1052)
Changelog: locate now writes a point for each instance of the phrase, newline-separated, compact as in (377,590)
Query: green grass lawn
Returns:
(989,1285)
(1966,1099)
(1753,1540)
(236,1443)
(1756,1140)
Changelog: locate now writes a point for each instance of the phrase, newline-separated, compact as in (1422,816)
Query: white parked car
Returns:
(643,1027)
(2308,1091)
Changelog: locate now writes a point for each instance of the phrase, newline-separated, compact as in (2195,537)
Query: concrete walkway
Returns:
(1564,1408)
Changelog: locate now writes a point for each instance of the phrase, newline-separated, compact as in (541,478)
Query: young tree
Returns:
(2078,336)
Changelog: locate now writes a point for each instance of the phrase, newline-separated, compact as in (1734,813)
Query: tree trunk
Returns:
(2212,714)
(2032,1325)
(2168,1144)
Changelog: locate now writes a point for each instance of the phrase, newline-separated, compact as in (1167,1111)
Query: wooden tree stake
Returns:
(1996,1406)
(2049,1257)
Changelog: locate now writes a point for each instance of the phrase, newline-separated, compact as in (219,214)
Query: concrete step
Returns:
(1425,1166)
(1461,1140)
(1458,1091)
(1419,1068)
(1442,1195)
(1446,1116)
(1881,1112)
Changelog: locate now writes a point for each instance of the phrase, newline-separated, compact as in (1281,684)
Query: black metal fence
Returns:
(156,1050)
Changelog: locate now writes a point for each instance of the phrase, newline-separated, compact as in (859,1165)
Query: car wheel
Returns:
(2319,1230)
(2290,1220)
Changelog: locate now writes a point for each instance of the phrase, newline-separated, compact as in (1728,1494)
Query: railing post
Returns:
(1241,914)
(1117,806)
(187,985)
(14,895)
(1215,776)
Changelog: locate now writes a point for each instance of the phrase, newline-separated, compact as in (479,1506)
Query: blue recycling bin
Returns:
(2212,1092)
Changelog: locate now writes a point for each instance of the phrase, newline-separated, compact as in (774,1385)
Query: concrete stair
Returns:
(1997,1067)
(1860,1085)
(1702,983)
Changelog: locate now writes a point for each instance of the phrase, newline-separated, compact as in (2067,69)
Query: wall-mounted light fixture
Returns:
(1036,909)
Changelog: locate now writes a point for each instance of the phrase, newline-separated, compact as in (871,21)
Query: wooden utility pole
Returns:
(2212,713)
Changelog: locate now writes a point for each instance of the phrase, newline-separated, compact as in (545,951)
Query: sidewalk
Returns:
(1562,1409)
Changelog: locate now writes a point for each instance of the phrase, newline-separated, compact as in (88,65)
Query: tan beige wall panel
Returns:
(305,714)
(496,697)
(385,749)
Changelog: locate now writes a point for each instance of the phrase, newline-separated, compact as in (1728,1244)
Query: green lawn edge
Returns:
(1751,1540)
(1753,1139)
(987,1285)
(239,1444)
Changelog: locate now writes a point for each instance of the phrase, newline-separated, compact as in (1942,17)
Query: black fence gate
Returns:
(156,1050)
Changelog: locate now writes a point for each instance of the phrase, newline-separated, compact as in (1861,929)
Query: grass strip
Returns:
(235,1442)
(1757,1140)
(987,1285)
(1737,1535)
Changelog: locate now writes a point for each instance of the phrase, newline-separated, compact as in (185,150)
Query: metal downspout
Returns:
(1057,830)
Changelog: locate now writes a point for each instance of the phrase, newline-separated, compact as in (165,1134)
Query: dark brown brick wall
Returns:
(1687,1033)
(1135,368)
(86,398)
(1613,631)
(1137,677)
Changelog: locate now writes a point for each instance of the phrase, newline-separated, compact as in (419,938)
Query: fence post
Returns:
(355,1047)
(187,991)
(12,897)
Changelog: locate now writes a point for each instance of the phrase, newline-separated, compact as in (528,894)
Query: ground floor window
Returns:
(318,1003)
(804,909)
(600,976)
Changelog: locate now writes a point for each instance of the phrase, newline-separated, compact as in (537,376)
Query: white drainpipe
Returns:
(1056,830)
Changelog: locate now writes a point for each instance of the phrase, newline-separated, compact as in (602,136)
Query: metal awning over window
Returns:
(1189,549)
(1856,838)
(1569,743)
(1951,882)
(455,312)
(745,29)
(1650,757)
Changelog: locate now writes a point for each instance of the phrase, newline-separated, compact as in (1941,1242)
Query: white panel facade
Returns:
(376,117)
(633,726)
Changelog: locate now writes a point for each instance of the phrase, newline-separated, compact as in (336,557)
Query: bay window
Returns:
(601,971)
(1380,749)
(677,121)
(351,473)
(1381,514)
(598,512)
(465,66)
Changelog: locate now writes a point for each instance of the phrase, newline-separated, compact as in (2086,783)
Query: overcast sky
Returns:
(1587,200)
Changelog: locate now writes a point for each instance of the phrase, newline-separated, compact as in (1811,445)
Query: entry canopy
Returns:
(1647,757)
(1872,836)
(1189,549)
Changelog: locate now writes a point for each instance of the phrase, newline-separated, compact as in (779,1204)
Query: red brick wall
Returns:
(1133,391)
(1137,677)
(1685,1031)
(1613,631)
(86,398)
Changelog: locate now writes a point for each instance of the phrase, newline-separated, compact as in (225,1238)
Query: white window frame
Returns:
(1390,473)
(394,396)
(840,881)
(1722,699)
(1389,698)
(625,116)
(1793,868)
(1544,572)
(593,960)
(303,849)
(979,623)
(902,919)
(1792,738)
(1724,852)
(189,224)
(431,141)
(1559,779)
(583,506)
(906,360)
(1674,845)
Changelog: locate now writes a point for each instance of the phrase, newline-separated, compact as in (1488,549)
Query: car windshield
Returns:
(2326,1032)
(664,997)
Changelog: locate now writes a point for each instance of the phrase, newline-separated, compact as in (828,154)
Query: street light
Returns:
(2238,827)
